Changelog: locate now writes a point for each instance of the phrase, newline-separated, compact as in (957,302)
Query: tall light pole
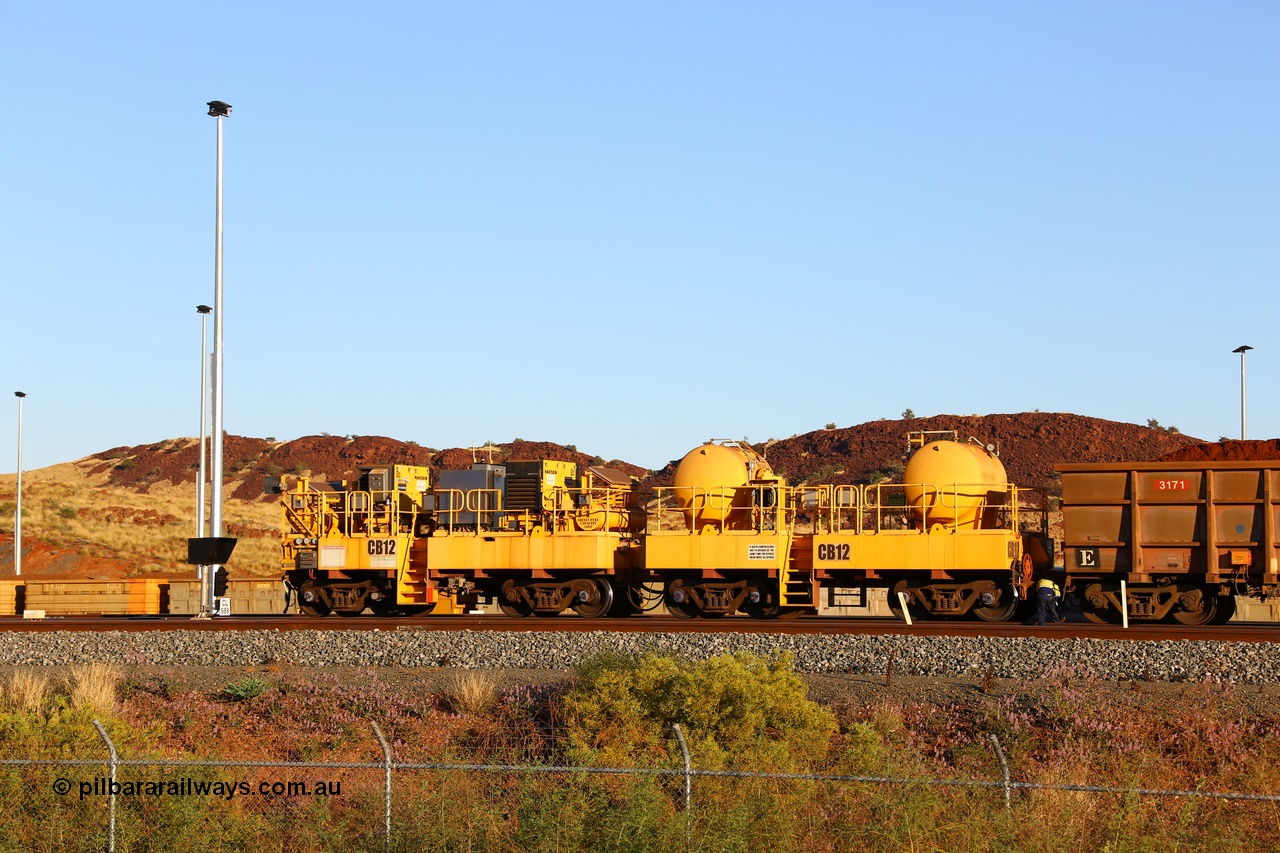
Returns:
(1242,350)
(17,512)
(219,110)
(203,311)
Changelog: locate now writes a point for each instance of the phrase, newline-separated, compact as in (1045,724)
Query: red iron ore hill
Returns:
(321,457)
(1030,443)
(1226,451)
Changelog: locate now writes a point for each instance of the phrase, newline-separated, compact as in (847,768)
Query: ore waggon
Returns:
(1178,540)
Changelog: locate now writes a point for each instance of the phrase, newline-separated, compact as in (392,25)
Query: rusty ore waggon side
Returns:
(1178,539)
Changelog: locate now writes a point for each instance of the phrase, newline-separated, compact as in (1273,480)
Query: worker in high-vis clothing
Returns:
(1047,593)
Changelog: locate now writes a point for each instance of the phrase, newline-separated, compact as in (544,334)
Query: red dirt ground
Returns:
(41,561)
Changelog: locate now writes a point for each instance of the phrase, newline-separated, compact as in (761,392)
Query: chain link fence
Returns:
(687,774)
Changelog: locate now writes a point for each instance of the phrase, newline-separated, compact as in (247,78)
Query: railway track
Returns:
(1243,632)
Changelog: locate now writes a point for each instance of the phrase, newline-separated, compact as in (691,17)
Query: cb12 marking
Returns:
(382,547)
(833,552)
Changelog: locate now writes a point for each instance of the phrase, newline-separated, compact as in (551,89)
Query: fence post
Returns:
(688,788)
(386,755)
(1004,768)
(111,792)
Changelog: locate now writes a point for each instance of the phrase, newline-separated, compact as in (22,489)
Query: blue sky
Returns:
(636,226)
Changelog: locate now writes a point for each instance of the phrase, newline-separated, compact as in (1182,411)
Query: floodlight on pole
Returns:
(17,512)
(1242,350)
(219,110)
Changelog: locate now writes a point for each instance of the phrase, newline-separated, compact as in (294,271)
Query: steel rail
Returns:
(1252,632)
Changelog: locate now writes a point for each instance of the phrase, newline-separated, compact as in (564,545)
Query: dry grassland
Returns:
(67,508)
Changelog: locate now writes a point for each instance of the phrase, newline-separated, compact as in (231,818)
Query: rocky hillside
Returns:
(248,461)
(1030,445)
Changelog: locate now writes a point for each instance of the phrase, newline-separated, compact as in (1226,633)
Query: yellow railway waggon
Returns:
(728,536)
(954,539)
(535,538)
(724,537)
(346,547)
(532,536)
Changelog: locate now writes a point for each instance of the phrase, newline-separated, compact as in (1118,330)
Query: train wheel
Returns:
(1000,608)
(1226,609)
(310,603)
(767,605)
(385,607)
(598,599)
(1199,609)
(1096,608)
(511,602)
(624,601)
(417,609)
(518,610)
(895,604)
(678,601)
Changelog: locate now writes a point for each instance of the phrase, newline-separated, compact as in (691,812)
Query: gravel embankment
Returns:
(942,657)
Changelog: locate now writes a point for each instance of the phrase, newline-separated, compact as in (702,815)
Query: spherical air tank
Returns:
(711,484)
(951,483)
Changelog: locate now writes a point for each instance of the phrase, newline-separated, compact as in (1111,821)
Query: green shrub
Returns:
(246,688)
(887,471)
(733,709)
(861,750)
(821,474)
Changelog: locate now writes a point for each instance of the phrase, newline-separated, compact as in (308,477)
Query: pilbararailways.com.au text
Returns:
(188,787)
